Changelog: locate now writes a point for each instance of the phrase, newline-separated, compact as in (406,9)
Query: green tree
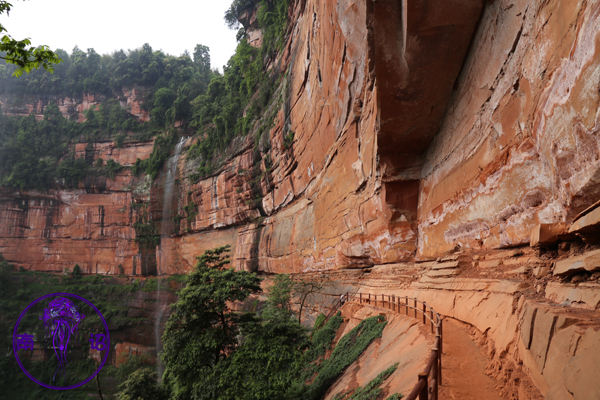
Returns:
(202,59)
(21,53)
(235,11)
(202,331)
(270,358)
(142,384)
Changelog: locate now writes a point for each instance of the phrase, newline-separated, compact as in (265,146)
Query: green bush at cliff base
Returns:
(19,288)
(323,337)
(319,322)
(372,390)
(345,353)
(395,396)
(142,384)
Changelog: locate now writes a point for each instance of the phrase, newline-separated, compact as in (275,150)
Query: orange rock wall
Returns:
(518,145)
(91,226)
(323,205)
(74,107)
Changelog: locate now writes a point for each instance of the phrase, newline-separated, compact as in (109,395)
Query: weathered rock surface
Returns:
(91,226)
(545,234)
(518,145)
(588,262)
(584,295)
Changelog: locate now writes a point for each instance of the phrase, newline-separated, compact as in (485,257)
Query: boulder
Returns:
(588,226)
(545,234)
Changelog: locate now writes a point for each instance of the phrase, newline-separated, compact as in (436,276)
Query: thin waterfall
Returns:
(165,232)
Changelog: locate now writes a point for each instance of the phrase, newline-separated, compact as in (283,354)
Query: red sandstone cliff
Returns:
(404,144)
(418,128)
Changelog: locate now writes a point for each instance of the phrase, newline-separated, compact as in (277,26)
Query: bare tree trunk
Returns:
(301,307)
(98,383)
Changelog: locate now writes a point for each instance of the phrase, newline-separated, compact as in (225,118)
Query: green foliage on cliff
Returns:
(166,83)
(236,99)
(323,337)
(346,351)
(163,144)
(181,91)
(201,332)
(372,390)
(31,150)
(169,85)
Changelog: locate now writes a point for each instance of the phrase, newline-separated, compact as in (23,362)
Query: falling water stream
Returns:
(165,232)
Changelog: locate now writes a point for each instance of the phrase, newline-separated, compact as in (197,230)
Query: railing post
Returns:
(435,375)
(431,312)
(360,298)
(441,346)
(424,395)
(406,303)
(441,334)
(415,308)
(369,298)
(393,302)
(439,360)
(424,313)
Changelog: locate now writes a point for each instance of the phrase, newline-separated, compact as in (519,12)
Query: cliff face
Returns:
(344,193)
(518,145)
(412,130)
(91,226)
(73,108)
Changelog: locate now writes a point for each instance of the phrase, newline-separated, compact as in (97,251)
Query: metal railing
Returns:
(429,380)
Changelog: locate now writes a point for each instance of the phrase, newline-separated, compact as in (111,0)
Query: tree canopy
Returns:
(214,352)
(202,331)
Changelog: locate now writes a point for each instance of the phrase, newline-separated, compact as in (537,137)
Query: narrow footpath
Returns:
(463,367)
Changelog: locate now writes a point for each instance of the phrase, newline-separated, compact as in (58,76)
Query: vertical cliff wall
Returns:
(518,145)
(91,226)
(344,192)
(397,131)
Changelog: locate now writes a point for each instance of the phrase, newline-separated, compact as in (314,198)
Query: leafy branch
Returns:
(21,53)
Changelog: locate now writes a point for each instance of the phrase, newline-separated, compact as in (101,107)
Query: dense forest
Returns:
(210,350)
(216,106)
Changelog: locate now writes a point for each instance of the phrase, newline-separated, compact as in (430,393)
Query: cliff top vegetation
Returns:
(216,107)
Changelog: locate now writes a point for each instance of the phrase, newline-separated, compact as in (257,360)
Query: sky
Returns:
(108,25)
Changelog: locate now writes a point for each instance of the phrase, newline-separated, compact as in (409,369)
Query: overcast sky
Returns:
(108,25)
